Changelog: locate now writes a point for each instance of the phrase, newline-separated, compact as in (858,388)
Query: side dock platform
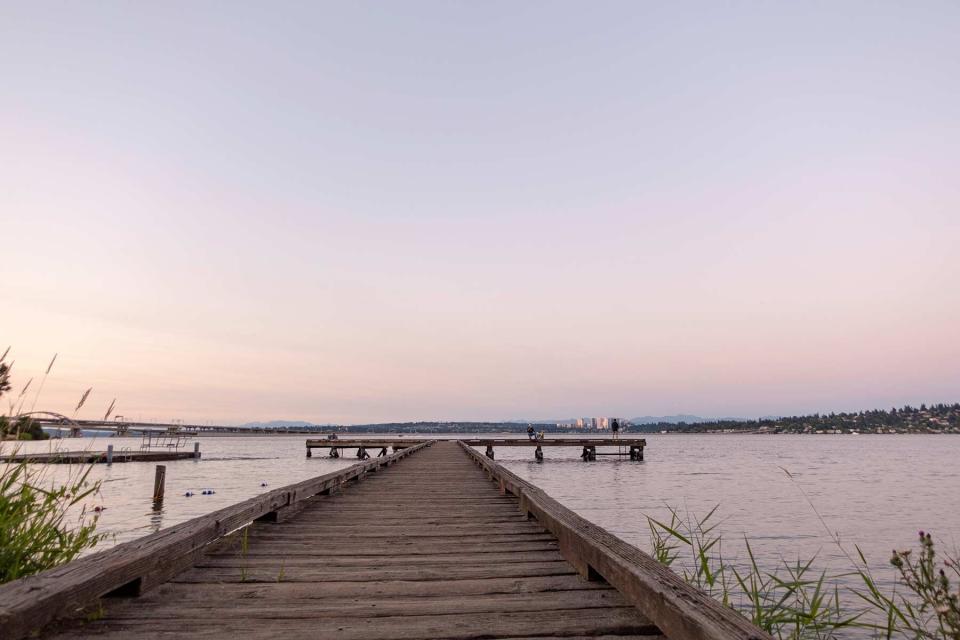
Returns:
(101,457)
(623,447)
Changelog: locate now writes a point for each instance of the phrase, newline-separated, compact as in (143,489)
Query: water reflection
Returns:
(156,516)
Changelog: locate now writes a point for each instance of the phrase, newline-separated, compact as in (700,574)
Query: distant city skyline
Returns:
(369,212)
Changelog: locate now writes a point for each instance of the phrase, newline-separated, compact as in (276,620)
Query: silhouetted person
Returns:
(615,427)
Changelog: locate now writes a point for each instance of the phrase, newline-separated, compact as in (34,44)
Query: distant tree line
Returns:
(937,418)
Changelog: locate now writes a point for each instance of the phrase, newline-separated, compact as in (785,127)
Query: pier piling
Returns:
(159,483)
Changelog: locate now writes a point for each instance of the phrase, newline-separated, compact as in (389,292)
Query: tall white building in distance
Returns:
(600,423)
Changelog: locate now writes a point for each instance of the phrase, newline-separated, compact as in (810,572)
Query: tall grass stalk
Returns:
(43,381)
(34,530)
(792,601)
(924,607)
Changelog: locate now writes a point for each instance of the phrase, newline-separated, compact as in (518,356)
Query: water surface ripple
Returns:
(875,491)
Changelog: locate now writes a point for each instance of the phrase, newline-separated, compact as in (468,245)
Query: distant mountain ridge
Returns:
(676,419)
(274,424)
(935,418)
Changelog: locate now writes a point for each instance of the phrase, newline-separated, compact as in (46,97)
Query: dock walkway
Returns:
(436,541)
(427,550)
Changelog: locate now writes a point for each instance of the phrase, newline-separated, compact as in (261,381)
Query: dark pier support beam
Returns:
(159,483)
(490,451)
(538,454)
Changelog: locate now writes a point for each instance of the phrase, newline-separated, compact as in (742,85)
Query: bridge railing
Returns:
(678,609)
(28,604)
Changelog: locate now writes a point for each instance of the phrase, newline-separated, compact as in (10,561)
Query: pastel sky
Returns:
(369,211)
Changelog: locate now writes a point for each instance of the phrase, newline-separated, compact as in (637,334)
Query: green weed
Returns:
(34,534)
(794,601)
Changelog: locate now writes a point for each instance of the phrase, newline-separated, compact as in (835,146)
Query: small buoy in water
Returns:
(263,484)
(188,493)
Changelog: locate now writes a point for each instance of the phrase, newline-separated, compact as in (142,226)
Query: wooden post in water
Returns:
(159,482)
(196,449)
(109,454)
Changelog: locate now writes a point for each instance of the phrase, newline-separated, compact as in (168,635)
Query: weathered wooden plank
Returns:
(620,620)
(231,591)
(426,527)
(279,535)
(278,609)
(354,574)
(420,560)
(324,549)
(603,637)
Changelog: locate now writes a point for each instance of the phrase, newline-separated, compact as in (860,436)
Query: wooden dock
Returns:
(446,544)
(98,457)
(625,447)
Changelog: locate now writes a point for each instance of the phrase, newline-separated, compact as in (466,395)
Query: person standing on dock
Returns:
(615,427)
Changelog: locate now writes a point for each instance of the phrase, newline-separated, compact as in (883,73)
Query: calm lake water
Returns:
(875,491)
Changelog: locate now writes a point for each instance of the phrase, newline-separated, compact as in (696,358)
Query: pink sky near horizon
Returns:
(356,214)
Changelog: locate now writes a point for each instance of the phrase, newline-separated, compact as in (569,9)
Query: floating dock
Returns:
(104,457)
(434,541)
(631,448)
